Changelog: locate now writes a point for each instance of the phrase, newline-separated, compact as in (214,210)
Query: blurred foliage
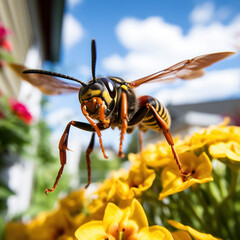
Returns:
(43,178)
(19,140)
(133,144)
(99,165)
(44,151)
(22,140)
(14,130)
(15,137)
(46,168)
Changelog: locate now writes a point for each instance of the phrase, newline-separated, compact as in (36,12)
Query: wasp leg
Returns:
(88,152)
(96,128)
(63,147)
(140,133)
(138,117)
(124,112)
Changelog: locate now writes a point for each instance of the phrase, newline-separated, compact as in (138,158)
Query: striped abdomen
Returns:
(149,122)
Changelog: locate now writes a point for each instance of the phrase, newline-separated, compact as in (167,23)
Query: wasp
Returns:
(111,102)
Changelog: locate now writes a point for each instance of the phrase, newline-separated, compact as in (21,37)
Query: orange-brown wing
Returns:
(188,69)
(48,85)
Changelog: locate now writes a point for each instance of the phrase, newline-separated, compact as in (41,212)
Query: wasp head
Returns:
(97,98)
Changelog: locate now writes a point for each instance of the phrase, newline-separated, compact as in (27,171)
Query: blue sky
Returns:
(135,38)
(99,20)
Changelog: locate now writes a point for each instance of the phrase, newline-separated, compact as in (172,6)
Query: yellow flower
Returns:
(134,182)
(200,169)
(74,205)
(226,152)
(66,237)
(105,193)
(129,223)
(73,202)
(181,235)
(15,231)
(194,233)
(155,155)
(51,225)
(211,135)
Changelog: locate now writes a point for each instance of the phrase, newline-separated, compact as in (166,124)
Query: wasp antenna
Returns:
(94,58)
(54,74)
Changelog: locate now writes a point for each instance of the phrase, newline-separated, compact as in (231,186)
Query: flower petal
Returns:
(154,233)
(226,152)
(200,169)
(91,231)
(112,217)
(139,179)
(197,235)
(180,235)
(138,215)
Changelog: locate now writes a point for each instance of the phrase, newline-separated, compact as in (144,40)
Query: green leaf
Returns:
(5,191)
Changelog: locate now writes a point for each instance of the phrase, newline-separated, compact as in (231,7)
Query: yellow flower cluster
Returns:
(115,210)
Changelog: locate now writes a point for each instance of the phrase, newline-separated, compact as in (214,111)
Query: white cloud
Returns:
(214,85)
(72,31)
(60,117)
(151,43)
(85,71)
(206,12)
(154,44)
(202,13)
(74,3)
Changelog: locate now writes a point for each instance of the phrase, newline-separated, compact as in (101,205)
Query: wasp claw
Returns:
(47,190)
(186,176)
(105,156)
(121,154)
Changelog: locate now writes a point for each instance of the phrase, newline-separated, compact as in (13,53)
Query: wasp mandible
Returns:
(111,102)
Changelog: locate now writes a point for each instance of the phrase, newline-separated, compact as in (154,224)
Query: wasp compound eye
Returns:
(110,87)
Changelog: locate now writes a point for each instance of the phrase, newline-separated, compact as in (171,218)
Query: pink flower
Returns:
(1,114)
(3,42)
(3,31)
(6,45)
(20,110)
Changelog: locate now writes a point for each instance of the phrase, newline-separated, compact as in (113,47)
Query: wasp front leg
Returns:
(88,152)
(95,125)
(63,146)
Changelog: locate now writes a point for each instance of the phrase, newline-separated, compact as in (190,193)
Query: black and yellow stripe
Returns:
(149,120)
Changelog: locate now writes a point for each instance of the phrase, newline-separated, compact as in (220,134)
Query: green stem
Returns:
(202,201)
(214,203)
(227,202)
(219,215)
(225,224)
(191,208)
(233,185)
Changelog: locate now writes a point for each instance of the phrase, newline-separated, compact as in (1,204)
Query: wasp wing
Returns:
(186,70)
(48,85)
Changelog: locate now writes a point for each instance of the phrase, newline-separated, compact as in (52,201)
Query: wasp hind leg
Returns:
(139,116)
(124,113)
(140,136)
